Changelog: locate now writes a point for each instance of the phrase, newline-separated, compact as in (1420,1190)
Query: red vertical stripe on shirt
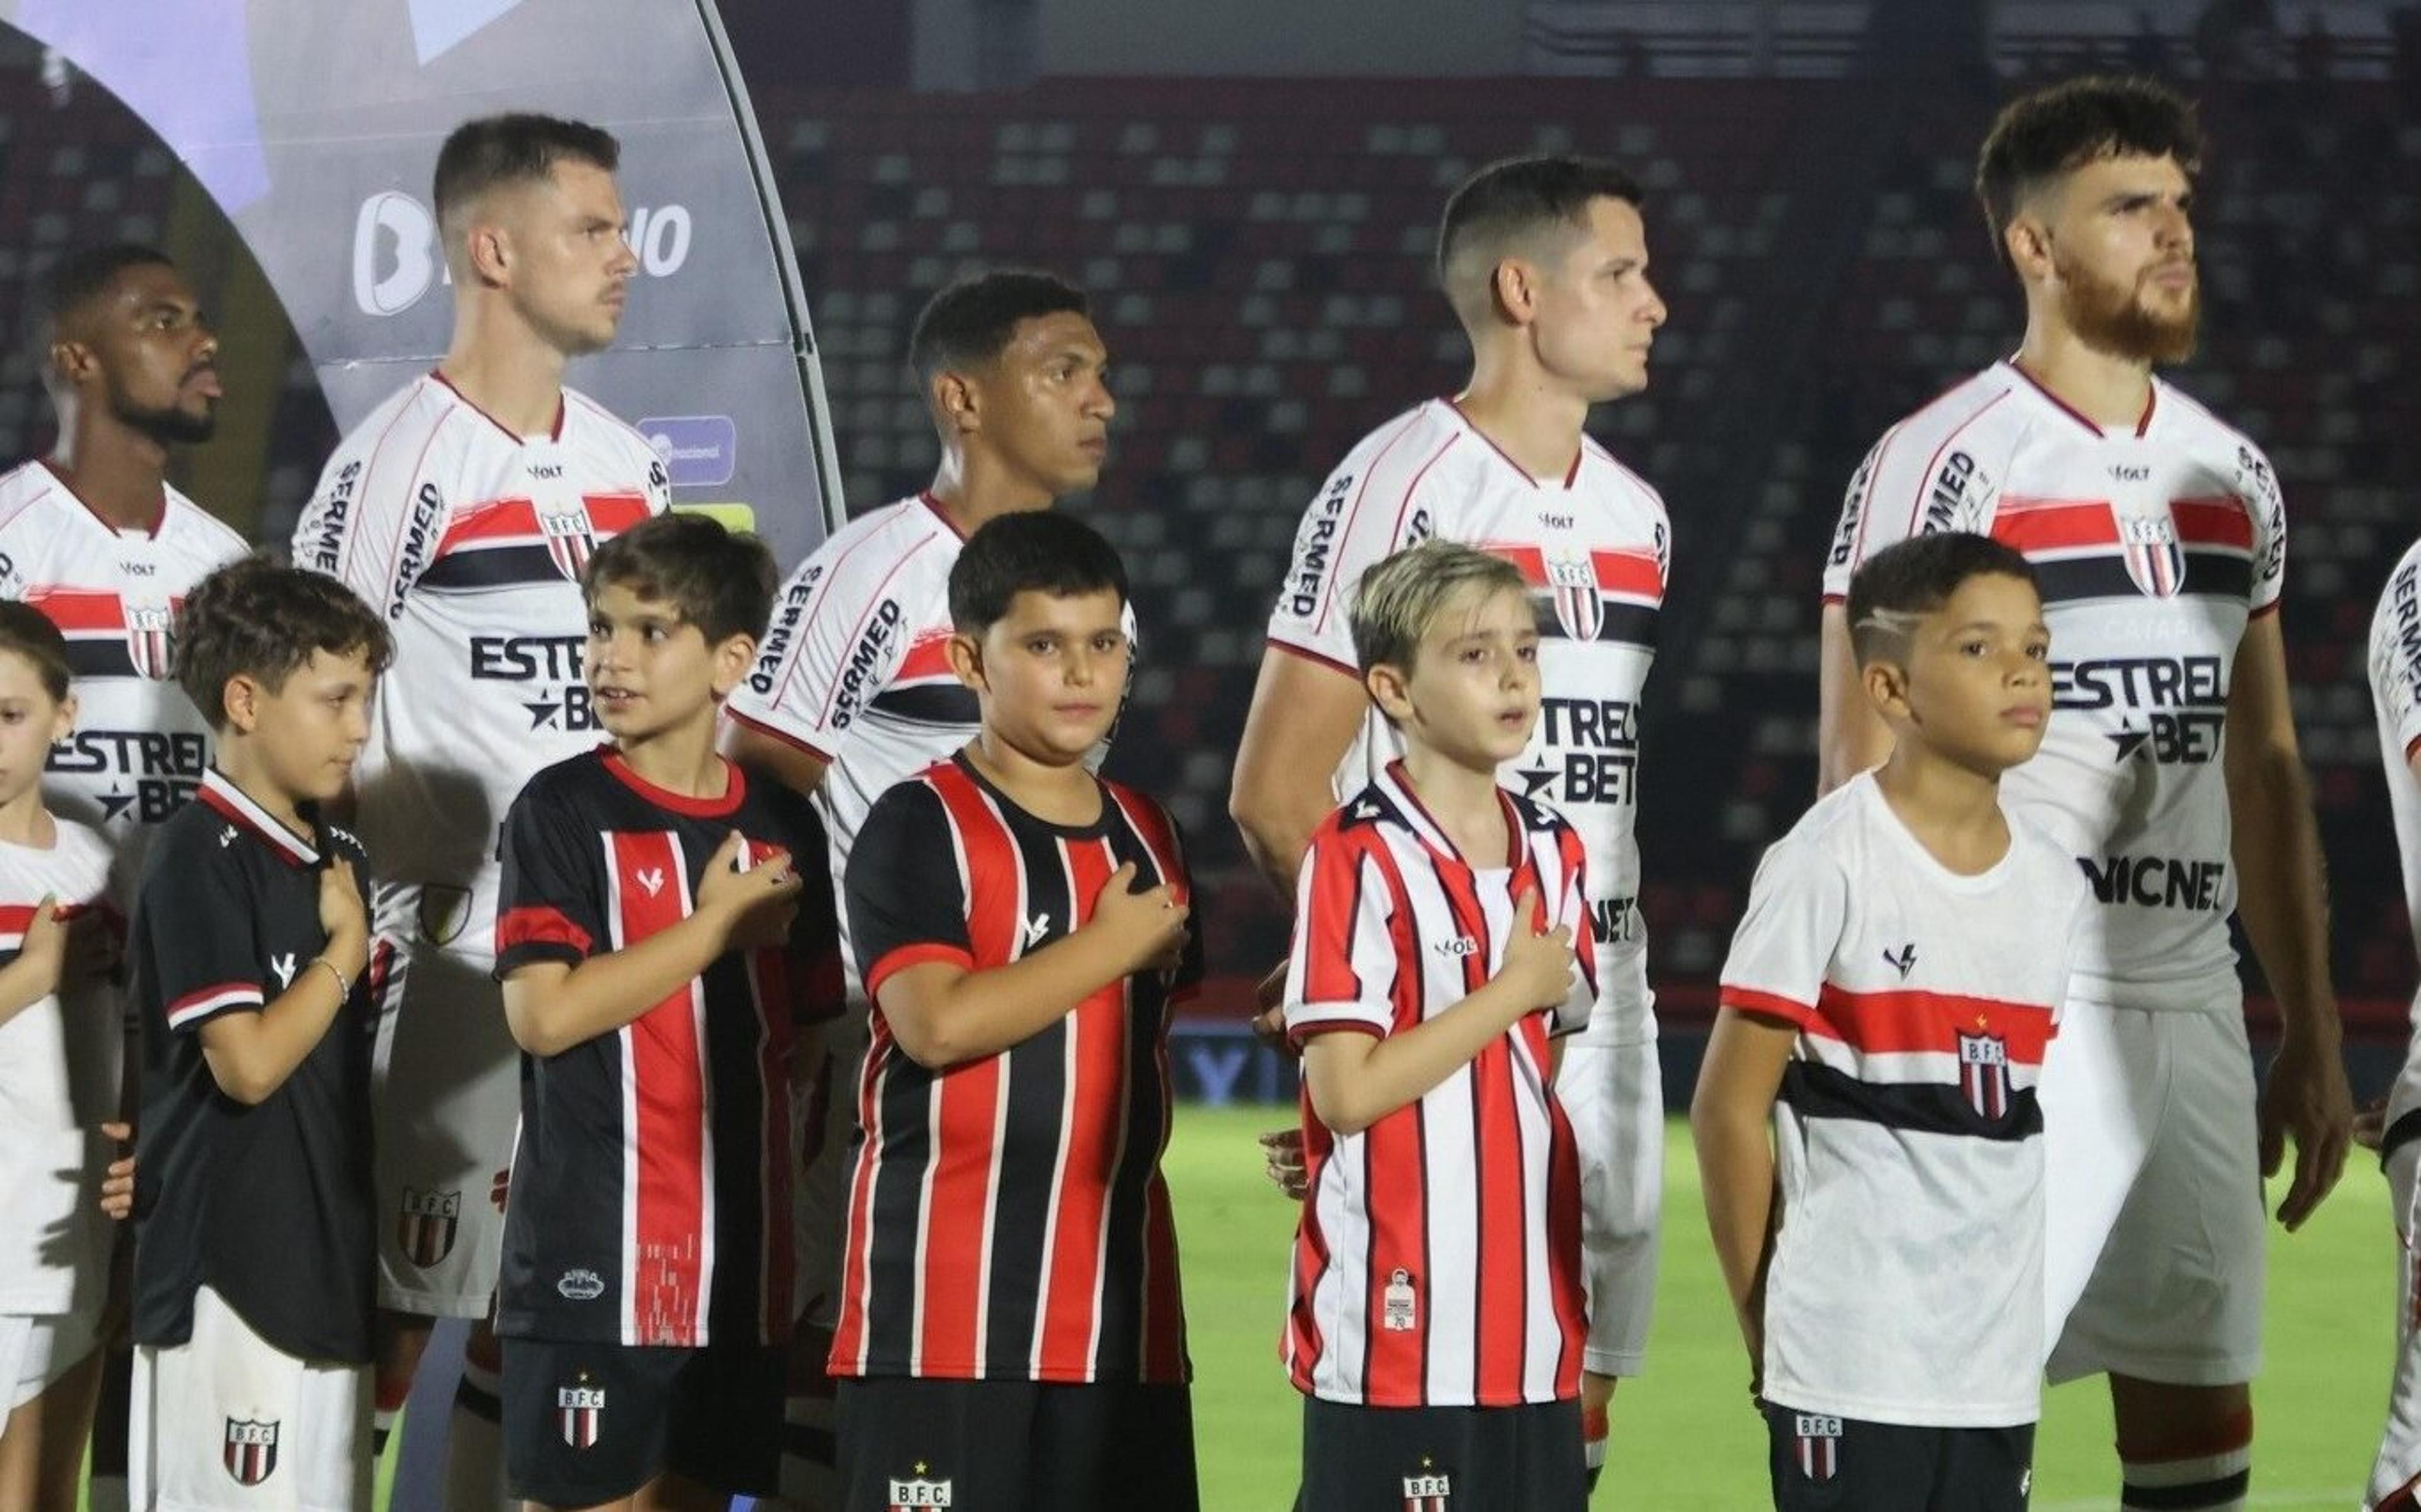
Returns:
(771,987)
(668,1109)
(1496,1353)
(1089,1156)
(1395,1161)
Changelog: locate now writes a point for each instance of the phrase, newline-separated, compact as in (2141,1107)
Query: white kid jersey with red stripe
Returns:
(2396,695)
(59,1062)
(2154,547)
(1594,547)
(1906,1279)
(469,541)
(140,746)
(1437,1260)
(855,669)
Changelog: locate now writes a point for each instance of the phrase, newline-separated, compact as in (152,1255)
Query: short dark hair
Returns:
(2040,136)
(973,319)
(518,148)
(1506,204)
(27,631)
(1034,551)
(260,618)
(1917,576)
(76,279)
(721,581)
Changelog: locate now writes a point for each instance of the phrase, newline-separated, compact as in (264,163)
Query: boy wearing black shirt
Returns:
(254,986)
(657,952)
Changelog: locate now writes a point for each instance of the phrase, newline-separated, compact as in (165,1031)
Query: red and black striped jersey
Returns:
(1437,1260)
(139,745)
(1007,1218)
(1905,1283)
(650,1189)
(267,1205)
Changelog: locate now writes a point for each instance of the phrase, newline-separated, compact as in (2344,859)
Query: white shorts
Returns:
(1614,1096)
(227,1421)
(2397,1472)
(445,1088)
(2154,1232)
(37,1348)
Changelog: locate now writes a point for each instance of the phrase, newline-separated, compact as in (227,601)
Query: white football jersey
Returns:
(59,1064)
(2396,696)
(139,746)
(1595,547)
(469,541)
(1906,1282)
(2153,547)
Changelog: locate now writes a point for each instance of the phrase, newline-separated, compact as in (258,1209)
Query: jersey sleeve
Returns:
(2257,486)
(1368,509)
(906,903)
(1797,907)
(194,924)
(374,522)
(1341,974)
(1572,909)
(550,904)
(2395,659)
(1926,474)
(836,640)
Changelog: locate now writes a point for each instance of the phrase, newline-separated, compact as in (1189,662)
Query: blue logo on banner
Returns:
(699,451)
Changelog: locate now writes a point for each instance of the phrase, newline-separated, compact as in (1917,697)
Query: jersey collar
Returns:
(1398,786)
(229,802)
(555,432)
(59,481)
(1572,474)
(2143,422)
(735,789)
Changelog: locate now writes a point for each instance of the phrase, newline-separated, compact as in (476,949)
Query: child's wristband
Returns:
(344,987)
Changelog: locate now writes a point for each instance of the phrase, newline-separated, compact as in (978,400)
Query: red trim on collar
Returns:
(1513,847)
(1572,474)
(151,530)
(735,789)
(555,432)
(2143,422)
(940,513)
(230,803)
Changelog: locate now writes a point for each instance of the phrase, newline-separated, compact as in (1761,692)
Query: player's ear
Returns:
(732,660)
(241,700)
(1389,687)
(2027,240)
(1886,685)
(953,400)
(488,251)
(1514,285)
(63,725)
(966,660)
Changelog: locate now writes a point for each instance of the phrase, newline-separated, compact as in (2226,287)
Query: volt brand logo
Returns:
(1458,947)
(653,879)
(1903,962)
(397,258)
(1034,929)
(283,967)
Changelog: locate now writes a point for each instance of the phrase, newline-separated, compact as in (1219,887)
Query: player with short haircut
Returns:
(1545,262)
(1441,941)
(2173,773)
(60,1023)
(463,509)
(1012,1331)
(853,691)
(256,987)
(2396,696)
(1867,1117)
(655,957)
(96,537)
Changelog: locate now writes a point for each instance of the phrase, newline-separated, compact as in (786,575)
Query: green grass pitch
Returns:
(1683,1434)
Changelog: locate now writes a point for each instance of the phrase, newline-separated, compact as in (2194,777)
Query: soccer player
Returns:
(1867,1126)
(253,983)
(2396,695)
(853,691)
(1441,938)
(1012,1330)
(59,1054)
(1545,262)
(2171,771)
(95,536)
(654,954)
(463,509)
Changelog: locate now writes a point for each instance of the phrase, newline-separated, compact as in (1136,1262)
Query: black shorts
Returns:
(1441,1459)
(1039,1446)
(590,1422)
(1822,1463)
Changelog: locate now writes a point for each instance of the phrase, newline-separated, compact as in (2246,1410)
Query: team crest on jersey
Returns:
(1580,608)
(1432,1490)
(1984,1073)
(2154,559)
(251,1452)
(149,643)
(569,540)
(917,1491)
(1820,1445)
(580,1411)
(444,910)
(425,1229)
